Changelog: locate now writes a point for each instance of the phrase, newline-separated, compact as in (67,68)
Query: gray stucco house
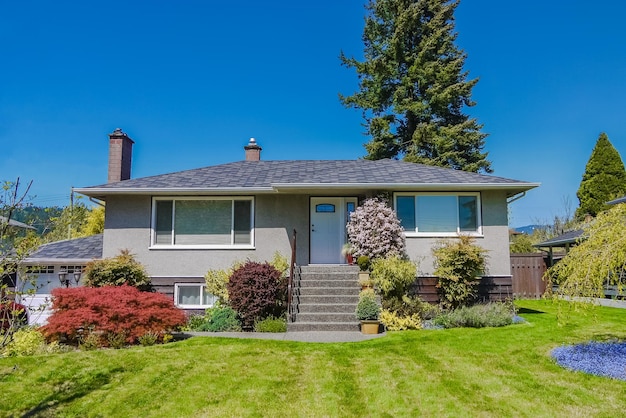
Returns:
(181,224)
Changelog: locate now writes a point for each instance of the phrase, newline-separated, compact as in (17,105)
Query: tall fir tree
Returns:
(604,179)
(413,88)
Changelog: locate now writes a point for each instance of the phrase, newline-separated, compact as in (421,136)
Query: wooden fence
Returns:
(527,273)
(526,281)
(491,288)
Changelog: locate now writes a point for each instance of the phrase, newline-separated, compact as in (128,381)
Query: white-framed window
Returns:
(193,296)
(439,214)
(203,222)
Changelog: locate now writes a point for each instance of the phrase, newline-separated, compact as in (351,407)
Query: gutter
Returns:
(97,192)
(516,197)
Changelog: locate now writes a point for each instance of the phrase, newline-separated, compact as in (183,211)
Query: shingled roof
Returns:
(13,222)
(76,250)
(277,176)
(566,238)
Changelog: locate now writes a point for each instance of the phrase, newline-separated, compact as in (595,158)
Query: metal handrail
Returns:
(292,266)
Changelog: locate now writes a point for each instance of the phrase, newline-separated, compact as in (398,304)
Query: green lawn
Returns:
(460,372)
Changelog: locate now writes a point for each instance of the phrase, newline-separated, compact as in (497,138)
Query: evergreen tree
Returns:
(604,179)
(413,88)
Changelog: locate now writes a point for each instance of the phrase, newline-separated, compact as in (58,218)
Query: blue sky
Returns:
(191,81)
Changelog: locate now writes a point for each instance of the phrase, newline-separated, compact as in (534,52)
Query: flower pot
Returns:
(364,280)
(369,326)
(350,259)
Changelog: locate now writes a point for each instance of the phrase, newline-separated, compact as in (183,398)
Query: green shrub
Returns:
(149,338)
(217,281)
(116,339)
(221,318)
(395,322)
(196,323)
(280,263)
(411,305)
(393,276)
(367,308)
(271,324)
(90,341)
(364,263)
(495,314)
(117,271)
(26,342)
(459,264)
(522,244)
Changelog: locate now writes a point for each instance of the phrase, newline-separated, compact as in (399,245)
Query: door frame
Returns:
(343,220)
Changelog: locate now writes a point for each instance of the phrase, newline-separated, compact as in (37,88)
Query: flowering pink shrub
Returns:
(374,230)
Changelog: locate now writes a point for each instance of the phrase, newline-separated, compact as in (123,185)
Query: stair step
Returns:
(327,308)
(312,299)
(325,317)
(329,283)
(325,326)
(330,291)
(321,268)
(329,276)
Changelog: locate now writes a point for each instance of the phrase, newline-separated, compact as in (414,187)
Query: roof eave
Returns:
(51,260)
(106,191)
(99,192)
(513,187)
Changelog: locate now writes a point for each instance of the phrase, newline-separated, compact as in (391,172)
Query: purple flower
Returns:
(600,359)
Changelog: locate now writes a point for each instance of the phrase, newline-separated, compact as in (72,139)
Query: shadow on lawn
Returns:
(66,392)
(528,311)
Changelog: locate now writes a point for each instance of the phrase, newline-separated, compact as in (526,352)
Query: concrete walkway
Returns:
(611,303)
(303,336)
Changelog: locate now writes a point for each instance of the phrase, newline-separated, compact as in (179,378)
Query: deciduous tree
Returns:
(597,261)
(413,89)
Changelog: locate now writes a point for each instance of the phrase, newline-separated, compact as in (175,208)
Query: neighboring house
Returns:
(565,241)
(44,266)
(14,223)
(182,224)
(8,279)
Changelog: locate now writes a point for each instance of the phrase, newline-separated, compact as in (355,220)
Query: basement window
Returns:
(193,296)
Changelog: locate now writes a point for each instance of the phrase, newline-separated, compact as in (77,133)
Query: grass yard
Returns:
(459,372)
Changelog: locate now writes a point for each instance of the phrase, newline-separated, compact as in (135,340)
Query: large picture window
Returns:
(438,213)
(204,222)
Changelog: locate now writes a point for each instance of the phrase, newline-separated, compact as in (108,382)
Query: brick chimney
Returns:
(253,151)
(120,152)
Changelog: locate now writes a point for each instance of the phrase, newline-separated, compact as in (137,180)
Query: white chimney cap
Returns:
(252,141)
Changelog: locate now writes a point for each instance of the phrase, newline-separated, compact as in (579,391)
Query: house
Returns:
(51,263)
(181,224)
(15,224)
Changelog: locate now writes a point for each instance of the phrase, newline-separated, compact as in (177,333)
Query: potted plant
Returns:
(364,274)
(347,250)
(367,311)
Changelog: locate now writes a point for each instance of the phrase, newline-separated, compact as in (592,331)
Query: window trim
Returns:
(202,294)
(479,225)
(232,246)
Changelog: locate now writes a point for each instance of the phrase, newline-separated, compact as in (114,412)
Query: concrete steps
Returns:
(326,299)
